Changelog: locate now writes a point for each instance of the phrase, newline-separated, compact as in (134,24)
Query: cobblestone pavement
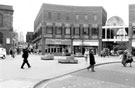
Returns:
(106,76)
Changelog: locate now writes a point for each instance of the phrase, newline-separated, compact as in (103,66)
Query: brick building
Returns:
(75,28)
(6,26)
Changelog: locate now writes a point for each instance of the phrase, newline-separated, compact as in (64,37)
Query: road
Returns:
(106,76)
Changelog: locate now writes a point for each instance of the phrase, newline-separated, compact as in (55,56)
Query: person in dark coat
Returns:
(92,61)
(25,56)
(124,58)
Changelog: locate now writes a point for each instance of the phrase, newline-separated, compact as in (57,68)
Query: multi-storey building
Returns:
(132,23)
(6,26)
(75,28)
(29,37)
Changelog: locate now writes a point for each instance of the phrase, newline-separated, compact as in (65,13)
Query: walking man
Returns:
(25,56)
(92,60)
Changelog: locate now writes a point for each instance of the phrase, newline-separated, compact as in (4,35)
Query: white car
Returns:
(2,53)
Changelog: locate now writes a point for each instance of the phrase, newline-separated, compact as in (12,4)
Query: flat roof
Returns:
(114,26)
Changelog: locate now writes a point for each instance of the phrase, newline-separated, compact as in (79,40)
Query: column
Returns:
(130,30)
(72,38)
(90,32)
(82,37)
(43,39)
(105,33)
(100,39)
(43,27)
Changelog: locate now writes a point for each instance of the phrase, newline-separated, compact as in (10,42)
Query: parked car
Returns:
(2,53)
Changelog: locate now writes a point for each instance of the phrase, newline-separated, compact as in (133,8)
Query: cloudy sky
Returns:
(25,11)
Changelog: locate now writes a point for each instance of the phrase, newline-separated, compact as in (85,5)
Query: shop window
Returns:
(58,30)
(49,29)
(77,31)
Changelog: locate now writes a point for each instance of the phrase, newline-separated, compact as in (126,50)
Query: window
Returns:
(49,15)
(85,31)
(86,17)
(94,31)
(67,17)
(77,17)
(49,29)
(58,16)
(77,31)
(1,19)
(1,37)
(95,17)
(58,30)
(67,31)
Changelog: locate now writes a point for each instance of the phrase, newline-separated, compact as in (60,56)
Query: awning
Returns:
(58,41)
(85,43)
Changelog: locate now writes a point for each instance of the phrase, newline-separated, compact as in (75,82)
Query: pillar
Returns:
(43,40)
(72,38)
(130,30)
(100,39)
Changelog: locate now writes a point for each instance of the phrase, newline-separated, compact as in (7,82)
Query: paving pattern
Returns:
(106,76)
(81,82)
(16,83)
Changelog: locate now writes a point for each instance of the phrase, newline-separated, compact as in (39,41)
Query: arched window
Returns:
(1,19)
(1,38)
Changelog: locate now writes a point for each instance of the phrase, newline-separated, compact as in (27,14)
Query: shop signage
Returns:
(58,41)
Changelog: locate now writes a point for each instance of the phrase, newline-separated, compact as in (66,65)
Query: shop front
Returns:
(56,46)
(81,45)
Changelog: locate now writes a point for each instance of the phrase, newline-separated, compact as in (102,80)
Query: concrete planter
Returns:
(48,57)
(69,59)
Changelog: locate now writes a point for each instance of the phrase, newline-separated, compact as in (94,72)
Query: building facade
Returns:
(6,26)
(132,23)
(115,35)
(29,37)
(75,28)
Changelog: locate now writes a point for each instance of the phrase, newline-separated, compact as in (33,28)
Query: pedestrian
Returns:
(124,58)
(12,52)
(92,60)
(86,54)
(25,55)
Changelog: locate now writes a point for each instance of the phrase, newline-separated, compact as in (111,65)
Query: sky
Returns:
(25,11)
